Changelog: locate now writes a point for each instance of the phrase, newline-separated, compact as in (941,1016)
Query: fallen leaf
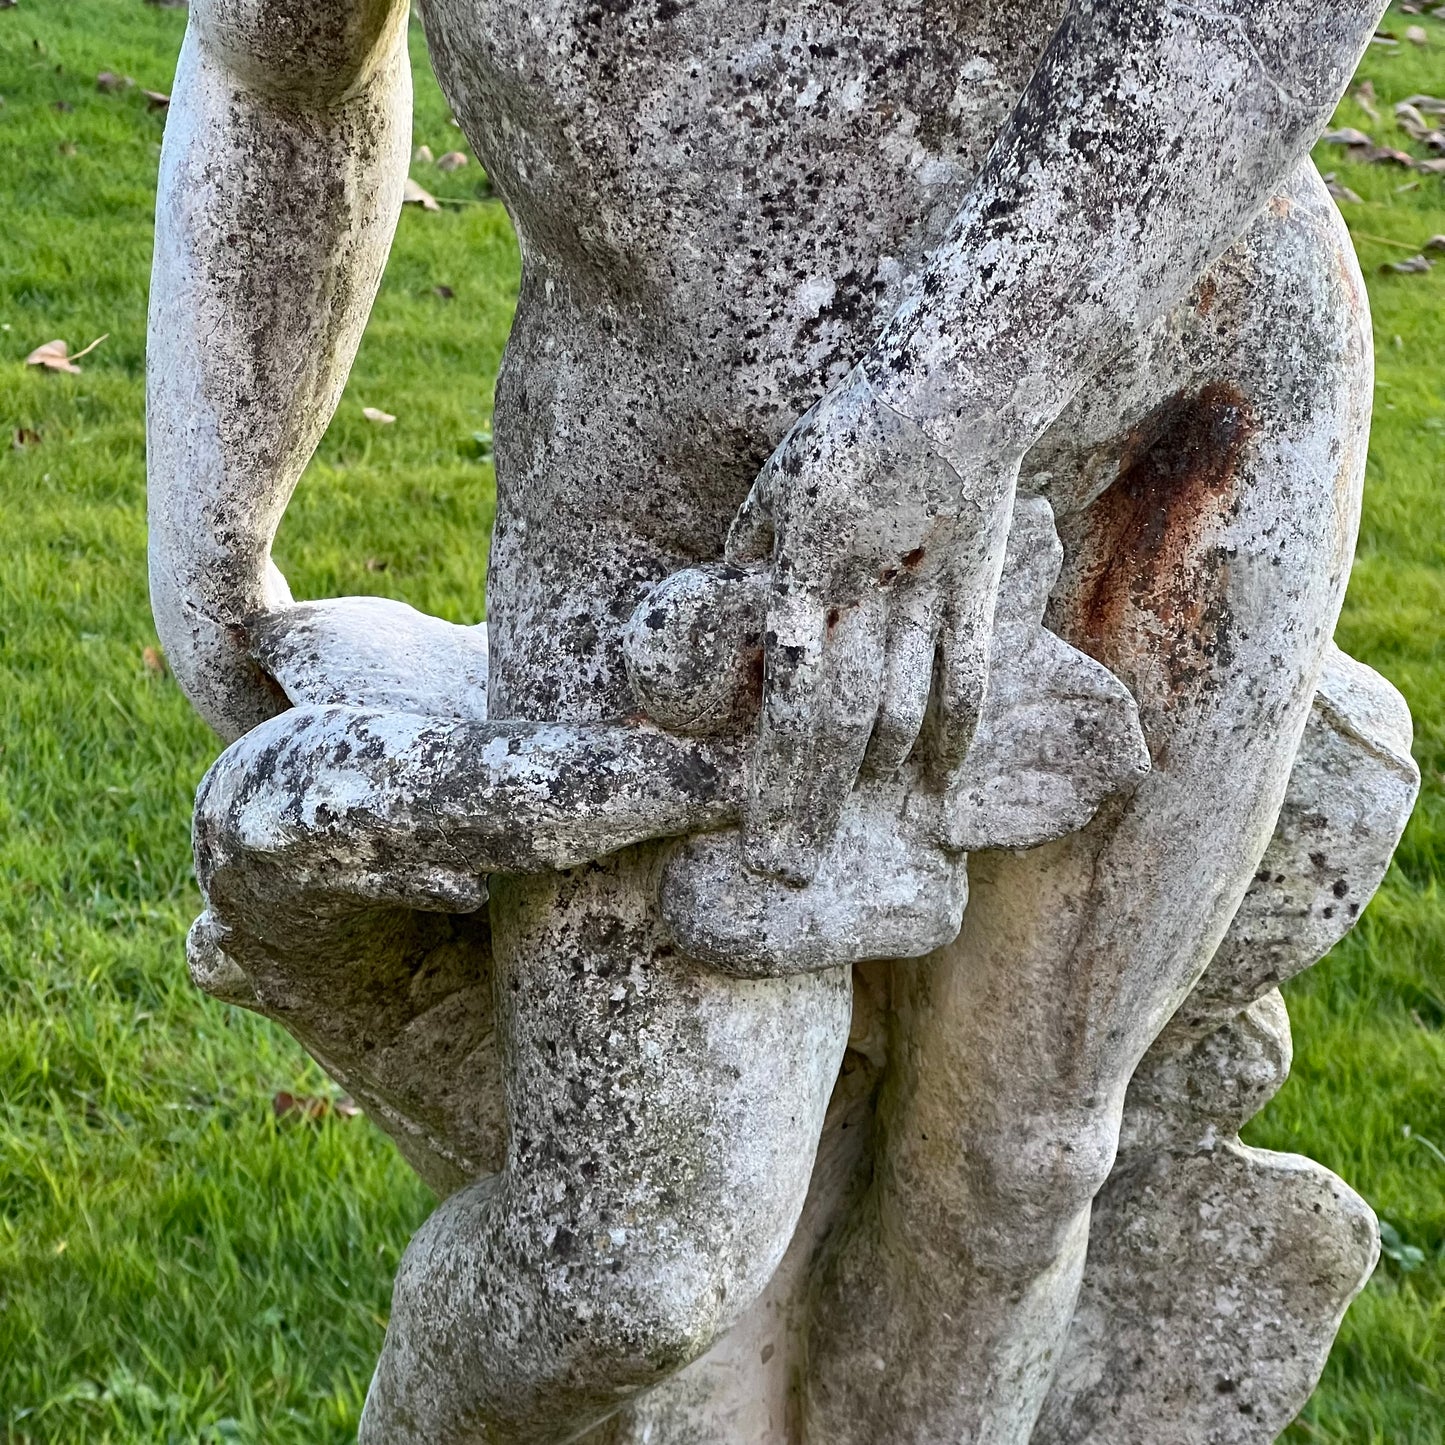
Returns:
(1426,104)
(1385,156)
(452,161)
(444,292)
(109,82)
(54,355)
(1349,136)
(1417,35)
(1343,194)
(1366,98)
(154,662)
(156,99)
(381,418)
(25,437)
(376,564)
(1410,120)
(303,1106)
(1412,267)
(346,1107)
(414,195)
(1382,39)
(1409,9)
(1431,168)
(1435,243)
(423,156)
(1408,186)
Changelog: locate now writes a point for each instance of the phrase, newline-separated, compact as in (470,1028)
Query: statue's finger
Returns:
(824,672)
(909,653)
(959,682)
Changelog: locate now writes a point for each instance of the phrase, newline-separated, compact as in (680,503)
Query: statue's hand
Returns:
(883,558)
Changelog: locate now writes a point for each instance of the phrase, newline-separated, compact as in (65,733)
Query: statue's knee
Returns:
(1041,1175)
(641,1330)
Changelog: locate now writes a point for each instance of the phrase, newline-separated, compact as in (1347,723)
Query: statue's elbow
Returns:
(308,53)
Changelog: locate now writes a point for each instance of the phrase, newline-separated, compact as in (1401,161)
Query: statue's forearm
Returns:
(281,180)
(1150,134)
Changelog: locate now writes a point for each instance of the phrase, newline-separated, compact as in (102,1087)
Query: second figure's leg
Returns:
(1208,576)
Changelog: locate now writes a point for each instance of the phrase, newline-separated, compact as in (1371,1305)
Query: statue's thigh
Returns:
(1208,495)
(654,1104)
(1207,492)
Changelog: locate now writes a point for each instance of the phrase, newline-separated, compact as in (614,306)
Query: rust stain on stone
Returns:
(1155,580)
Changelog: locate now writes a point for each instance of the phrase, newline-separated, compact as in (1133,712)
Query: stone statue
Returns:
(820,936)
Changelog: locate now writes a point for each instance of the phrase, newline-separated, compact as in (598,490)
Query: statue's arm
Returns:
(281,180)
(1150,134)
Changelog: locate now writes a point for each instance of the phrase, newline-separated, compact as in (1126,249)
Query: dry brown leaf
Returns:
(452,161)
(1411,121)
(376,564)
(1417,35)
(54,355)
(1408,186)
(153,661)
(310,1107)
(1348,136)
(1384,156)
(108,82)
(1366,99)
(375,413)
(1435,243)
(1431,168)
(156,99)
(1426,104)
(1343,194)
(1412,267)
(445,293)
(24,437)
(423,156)
(414,195)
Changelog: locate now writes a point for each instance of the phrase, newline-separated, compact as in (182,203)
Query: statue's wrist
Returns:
(947,408)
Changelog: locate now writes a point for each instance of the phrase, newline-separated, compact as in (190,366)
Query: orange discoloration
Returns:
(1154,574)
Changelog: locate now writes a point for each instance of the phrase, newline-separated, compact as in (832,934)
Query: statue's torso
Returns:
(719,203)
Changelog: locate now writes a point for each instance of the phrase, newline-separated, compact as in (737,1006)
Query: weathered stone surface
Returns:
(1216,1282)
(1217,1274)
(371,652)
(1057,734)
(808,295)
(1349,796)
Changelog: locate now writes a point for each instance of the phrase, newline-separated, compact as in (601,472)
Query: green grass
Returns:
(176,1264)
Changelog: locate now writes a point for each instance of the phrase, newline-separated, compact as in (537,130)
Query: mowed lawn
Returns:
(179,1264)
